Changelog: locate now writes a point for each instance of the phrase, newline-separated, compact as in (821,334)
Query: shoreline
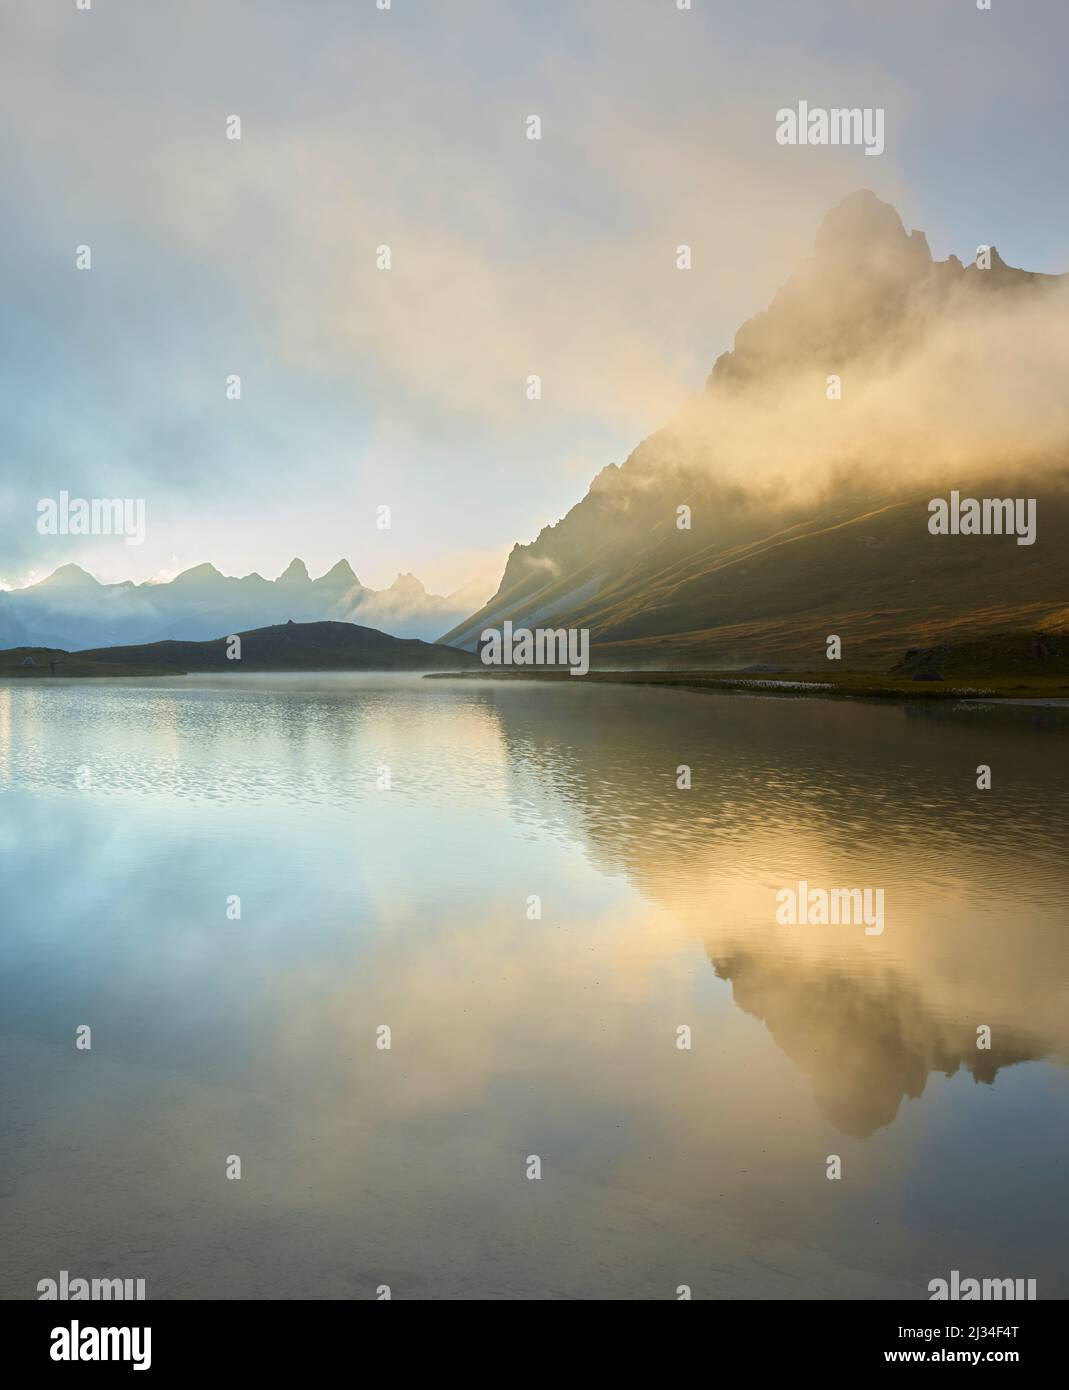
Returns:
(1031,691)
(1036,692)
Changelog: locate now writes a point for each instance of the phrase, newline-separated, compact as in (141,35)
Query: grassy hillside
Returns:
(864,569)
(30,663)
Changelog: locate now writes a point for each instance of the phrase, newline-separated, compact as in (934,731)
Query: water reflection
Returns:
(512,1035)
(977,882)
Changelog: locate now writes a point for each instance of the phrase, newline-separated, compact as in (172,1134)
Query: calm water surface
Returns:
(130,813)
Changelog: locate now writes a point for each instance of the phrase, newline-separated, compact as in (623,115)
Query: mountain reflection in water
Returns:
(511,1036)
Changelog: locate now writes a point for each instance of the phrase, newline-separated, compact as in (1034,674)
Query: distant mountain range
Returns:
(768,572)
(283,647)
(71,610)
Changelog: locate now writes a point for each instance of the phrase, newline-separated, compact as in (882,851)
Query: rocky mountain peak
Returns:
(68,576)
(198,574)
(406,584)
(864,228)
(296,572)
(341,573)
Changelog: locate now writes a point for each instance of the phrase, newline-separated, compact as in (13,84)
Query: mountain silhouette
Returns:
(288,646)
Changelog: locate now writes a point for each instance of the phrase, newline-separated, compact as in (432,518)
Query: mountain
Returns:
(71,610)
(809,512)
(289,646)
(12,632)
(69,579)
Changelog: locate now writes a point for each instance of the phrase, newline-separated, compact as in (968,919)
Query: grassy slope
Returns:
(868,572)
(1030,665)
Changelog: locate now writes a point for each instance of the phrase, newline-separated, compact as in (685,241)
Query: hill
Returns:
(291,646)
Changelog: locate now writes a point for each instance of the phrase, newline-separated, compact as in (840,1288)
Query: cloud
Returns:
(975,392)
(510,257)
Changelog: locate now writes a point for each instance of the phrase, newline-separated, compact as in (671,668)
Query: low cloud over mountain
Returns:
(876,380)
(70,609)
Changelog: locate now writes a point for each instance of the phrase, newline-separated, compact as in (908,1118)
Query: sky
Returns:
(510,257)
